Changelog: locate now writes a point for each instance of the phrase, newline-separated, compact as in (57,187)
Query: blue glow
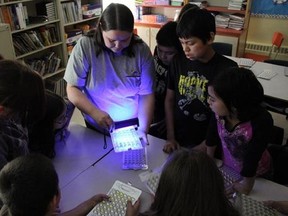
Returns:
(126,138)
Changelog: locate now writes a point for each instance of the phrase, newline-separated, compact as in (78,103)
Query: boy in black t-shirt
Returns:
(168,45)
(187,112)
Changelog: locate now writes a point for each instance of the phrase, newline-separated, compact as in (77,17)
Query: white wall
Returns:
(128,3)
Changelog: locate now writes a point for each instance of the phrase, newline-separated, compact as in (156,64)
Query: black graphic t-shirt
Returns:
(161,71)
(189,81)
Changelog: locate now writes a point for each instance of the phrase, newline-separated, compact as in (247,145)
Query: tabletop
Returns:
(276,87)
(86,169)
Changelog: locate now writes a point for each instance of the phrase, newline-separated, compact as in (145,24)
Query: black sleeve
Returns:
(262,127)
(4,149)
(212,136)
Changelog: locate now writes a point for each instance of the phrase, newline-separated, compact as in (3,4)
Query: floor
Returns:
(279,120)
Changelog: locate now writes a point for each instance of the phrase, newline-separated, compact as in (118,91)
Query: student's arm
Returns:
(212,137)
(261,128)
(79,99)
(171,143)
(245,185)
(85,207)
(145,114)
(211,151)
(280,206)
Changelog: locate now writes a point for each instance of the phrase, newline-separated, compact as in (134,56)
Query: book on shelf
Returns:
(72,11)
(46,36)
(6,16)
(34,37)
(15,21)
(84,27)
(56,85)
(29,41)
(47,64)
(21,45)
(53,32)
(91,10)
(46,9)
(21,15)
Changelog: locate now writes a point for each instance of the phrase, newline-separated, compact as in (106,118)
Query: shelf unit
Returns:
(236,37)
(25,48)
(14,33)
(68,26)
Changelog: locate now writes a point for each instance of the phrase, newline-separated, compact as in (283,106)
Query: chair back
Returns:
(222,48)
(277,39)
(276,42)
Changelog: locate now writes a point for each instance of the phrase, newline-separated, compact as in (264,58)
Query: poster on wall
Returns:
(270,8)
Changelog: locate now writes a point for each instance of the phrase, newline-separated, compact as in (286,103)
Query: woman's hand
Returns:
(143,136)
(103,119)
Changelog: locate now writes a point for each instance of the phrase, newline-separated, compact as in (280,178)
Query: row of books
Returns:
(73,11)
(57,85)
(47,64)
(160,2)
(72,36)
(31,40)
(15,15)
(46,9)
(232,21)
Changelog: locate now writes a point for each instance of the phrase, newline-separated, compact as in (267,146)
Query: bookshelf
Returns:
(35,39)
(237,38)
(75,23)
(35,32)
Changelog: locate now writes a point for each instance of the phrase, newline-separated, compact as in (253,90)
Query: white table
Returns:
(277,87)
(79,180)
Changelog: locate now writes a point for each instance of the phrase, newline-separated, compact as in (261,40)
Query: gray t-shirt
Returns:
(111,82)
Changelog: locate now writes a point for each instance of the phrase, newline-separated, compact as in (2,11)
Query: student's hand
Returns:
(280,206)
(244,186)
(170,146)
(230,192)
(85,207)
(132,210)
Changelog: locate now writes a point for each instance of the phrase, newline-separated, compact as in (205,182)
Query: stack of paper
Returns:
(236,21)
(222,20)
(237,4)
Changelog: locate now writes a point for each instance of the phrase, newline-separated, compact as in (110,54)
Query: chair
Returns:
(222,48)
(277,40)
(277,62)
(279,156)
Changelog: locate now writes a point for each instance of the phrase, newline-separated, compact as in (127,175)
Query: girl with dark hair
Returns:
(110,73)
(190,184)
(22,102)
(240,125)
